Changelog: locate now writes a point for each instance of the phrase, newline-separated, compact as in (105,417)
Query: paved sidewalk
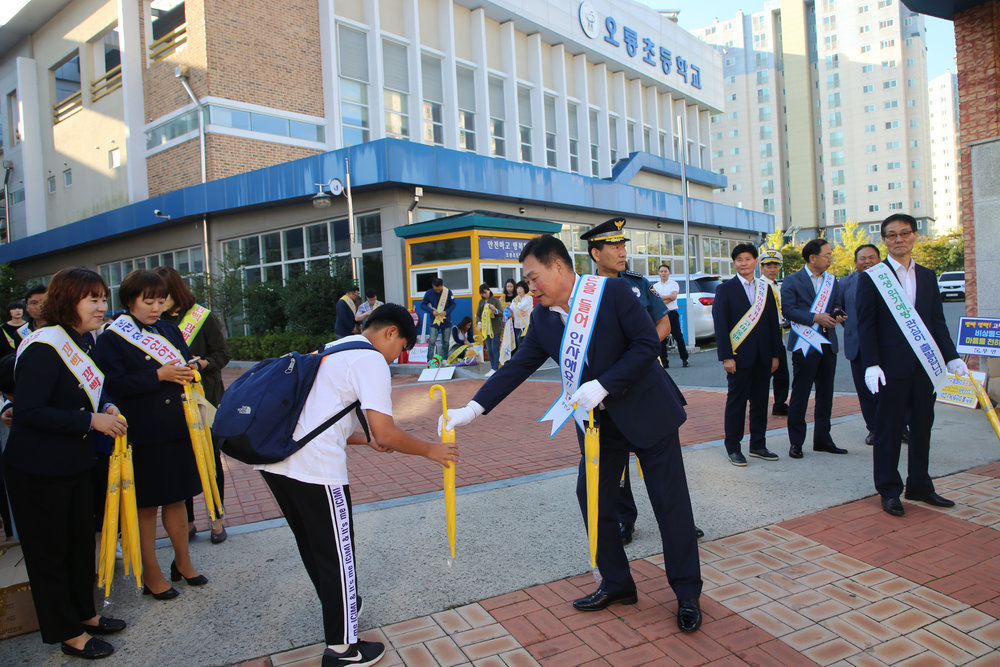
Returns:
(846,586)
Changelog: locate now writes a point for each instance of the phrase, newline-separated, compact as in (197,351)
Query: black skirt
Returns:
(165,473)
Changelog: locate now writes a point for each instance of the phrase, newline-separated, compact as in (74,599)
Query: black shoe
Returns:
(105,626)
(764,453)
(893,506)
(688,615)
(686,364)
(168,594)
(829,448)
(795,451)
(905,437)
(626,530)
(192,532)
(219,537)
(600,599)
(698,533)
(780,409)
(356,655)
(197,580)
(94,649)
(737,459)
(869,439)
(930,498)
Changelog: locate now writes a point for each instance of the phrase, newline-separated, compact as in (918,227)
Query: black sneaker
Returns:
(737,459)
(356,655)
(765,454)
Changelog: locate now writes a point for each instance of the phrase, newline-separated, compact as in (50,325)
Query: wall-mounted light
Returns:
(327,191)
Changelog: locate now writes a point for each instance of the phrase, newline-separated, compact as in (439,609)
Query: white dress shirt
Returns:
(907,278)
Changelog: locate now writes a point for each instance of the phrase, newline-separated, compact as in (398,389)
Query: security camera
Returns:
(157,212)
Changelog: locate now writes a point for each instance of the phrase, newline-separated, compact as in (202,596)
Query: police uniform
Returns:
(779,377)
(612,231)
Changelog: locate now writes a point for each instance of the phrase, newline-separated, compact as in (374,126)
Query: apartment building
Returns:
(825,116)
(139,132)
(944,129)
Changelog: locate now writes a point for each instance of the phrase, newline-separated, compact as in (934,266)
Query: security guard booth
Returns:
(466,250)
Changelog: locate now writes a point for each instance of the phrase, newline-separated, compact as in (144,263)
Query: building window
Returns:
(550,131)
(836,119)
(837,158)
(264,123)
(613,138)
(524,120)
(52,185)
(187,261)
(396,90)
(891,145)
(867,88)
(873,187)
(833,100)
(895,165)
(763,95)
(866,68)
(108,64)
(114,158)
(14,119)
(169,28)
(869,108)
(873,208)
(69,97)
(764,114)
(839,197)
(595,148)
(466,108)
(497,116)
(430,68)
(765,132)
(574,137)
(354,85)
(68,178)
(837,138)
(172,129)
(889,84)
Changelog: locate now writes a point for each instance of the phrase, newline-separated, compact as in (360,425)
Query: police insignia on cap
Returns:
(609,231)
(771,256)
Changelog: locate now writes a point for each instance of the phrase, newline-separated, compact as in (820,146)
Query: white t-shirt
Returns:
(665,288)
(342,378)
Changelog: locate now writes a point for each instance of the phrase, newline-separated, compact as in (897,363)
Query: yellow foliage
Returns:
(852,236)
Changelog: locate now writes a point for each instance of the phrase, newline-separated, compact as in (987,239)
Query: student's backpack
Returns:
(259,411)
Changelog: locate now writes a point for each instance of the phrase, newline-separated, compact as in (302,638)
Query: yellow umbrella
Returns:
(131,554)
(120,505)
(592,458)
(109,531)
(203,455)
(984,400)
(448,435)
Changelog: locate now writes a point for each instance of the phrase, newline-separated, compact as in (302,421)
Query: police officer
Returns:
(606,246)
(770,268)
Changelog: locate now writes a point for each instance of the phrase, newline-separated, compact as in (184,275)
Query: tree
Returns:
(775,239)
(852,236)
(222,290)
(945,253)
(11,289)
(264,307)
(310,301)
(792,260)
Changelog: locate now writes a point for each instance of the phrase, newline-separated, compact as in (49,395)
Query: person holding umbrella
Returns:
(145,361)
(48,462)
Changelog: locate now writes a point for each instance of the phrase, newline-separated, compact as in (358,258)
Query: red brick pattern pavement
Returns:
(846,586)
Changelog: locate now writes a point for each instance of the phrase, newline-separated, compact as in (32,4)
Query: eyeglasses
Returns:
(892,236)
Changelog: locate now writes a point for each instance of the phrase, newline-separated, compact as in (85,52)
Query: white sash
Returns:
(442,304)
(584,304)
(810,337)
(914,330)
(79,364)
(739,333)
(24,330)
(157,347)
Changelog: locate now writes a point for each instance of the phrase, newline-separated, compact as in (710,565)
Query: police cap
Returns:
(609,231)
(771,256)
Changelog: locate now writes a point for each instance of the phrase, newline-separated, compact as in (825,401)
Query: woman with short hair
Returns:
(49,458)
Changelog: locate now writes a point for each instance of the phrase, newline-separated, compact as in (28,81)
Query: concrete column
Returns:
(478,29)
(133,106)
(411,13)
(582,89)
(537,100)
(562,115)
(30,110)
(446,33)
(376,87)
(512,121)
(603,134)
(331,75)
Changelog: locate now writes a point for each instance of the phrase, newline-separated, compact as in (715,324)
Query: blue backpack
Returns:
(259,411)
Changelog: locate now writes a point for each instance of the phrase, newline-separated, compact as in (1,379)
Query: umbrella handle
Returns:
(444,400)
(591,413)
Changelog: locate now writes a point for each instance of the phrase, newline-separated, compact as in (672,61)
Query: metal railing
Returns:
(67,107)
(167,44)
(106,84)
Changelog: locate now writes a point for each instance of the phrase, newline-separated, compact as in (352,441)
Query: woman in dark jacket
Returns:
(203,334)
(144,362)
(48,462)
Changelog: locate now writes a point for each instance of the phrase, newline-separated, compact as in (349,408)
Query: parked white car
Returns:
(952,284)
(703,288)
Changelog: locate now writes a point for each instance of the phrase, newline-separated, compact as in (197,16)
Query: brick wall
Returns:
(235,155)
(174,168)
(162,90)
(977,42)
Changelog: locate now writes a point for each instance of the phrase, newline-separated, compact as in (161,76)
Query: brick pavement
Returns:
(845,586)
(505,444)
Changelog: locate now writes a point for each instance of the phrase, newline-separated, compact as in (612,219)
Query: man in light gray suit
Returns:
(865,257)
(811,301)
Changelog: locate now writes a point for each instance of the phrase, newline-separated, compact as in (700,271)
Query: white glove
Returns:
(873,377)
(460,417)
(958,367)
(589,395)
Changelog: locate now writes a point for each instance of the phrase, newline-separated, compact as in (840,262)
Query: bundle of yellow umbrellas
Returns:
(987,405)
(120,503)
(201,442)
(448,435)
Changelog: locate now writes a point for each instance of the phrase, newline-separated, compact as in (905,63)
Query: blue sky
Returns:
(699,13)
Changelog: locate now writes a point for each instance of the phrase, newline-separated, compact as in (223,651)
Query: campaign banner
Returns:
(959,391)
(979,336)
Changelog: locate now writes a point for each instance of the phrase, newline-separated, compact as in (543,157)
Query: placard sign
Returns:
(493,247)
(979,336)
(958,390)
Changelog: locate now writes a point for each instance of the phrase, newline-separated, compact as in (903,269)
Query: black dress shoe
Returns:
(105,626)
(829,448)
(685,363)
(600,599)
(698,533)
(94,649)
(219,537)
(737,459)
(780,409)
(764,453)
(892,506)
(688,615)
(197,580)
(795,452)
(869,439)
(192,532)
(168,594)
(930,498)
(626,530)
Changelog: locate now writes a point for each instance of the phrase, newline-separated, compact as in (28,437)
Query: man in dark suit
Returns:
(810,300)
(439,326)
(749,342)
(889,360)
(623,383)
(865,256)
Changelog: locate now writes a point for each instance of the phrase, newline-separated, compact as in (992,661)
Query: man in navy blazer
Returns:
(625,386)
(865,256)
(811,366)
(749,367)
(889,360)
